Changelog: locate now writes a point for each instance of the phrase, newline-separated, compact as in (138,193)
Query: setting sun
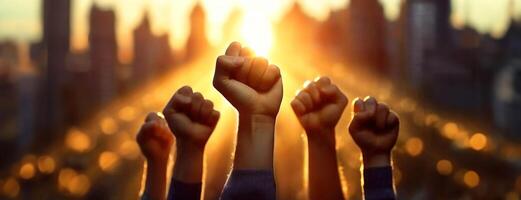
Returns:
(256,32)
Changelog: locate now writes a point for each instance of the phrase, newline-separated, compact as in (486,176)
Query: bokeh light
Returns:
(27,171)
(414,146)
(108,125)
(478,141)
(471,179)
(46,164)
(77,140)
(11,187)
(108,161)
(444,167)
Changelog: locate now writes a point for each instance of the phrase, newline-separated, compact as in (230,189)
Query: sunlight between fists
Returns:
(190,116)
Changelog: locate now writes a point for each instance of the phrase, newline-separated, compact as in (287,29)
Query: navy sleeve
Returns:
(250,184)
(378,183)
(184,191)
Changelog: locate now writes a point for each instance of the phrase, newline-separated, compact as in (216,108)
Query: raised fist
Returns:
(155,139)
(251,85)
(319,106)
(374,129)
(191,118)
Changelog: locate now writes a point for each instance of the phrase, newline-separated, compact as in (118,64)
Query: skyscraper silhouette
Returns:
(103,53)
(197,42)
(366,37)
(55,45)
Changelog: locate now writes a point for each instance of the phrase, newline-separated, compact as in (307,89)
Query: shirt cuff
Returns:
(378,183)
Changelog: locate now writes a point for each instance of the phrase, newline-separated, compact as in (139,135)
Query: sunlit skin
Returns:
(374,128)
(254,88)
(319,107)
(192,119)
(155,141)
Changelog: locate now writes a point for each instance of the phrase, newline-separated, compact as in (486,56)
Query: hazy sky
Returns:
(19,19)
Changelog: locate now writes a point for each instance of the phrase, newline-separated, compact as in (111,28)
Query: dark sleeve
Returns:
(378,183)
(250,184)
(184,191)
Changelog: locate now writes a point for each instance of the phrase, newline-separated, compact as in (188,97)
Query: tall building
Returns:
(103,53)
(366,36)
(152,54)
(55,47)
(197,42)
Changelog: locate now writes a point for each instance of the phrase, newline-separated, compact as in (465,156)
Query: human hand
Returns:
(374,129)
(155,139)
(319,106)
(251,85)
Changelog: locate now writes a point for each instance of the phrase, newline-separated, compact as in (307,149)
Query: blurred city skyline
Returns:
(21,19)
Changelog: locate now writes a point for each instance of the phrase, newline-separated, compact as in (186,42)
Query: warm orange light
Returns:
(108,126)
(65,176)
(444,167)
(46,164)
(478,141)
(108,161)
(450,130)
(27,171)
(127,113)
(129,150)
(471,179)
(77,140)
(79,185)
(11,188)
(414,146)
(257,33)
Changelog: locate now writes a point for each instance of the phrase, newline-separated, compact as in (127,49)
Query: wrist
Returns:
(376,160)
(255,140)
(322,137)
(188,165)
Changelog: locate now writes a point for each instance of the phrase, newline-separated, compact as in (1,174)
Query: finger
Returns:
(242,74)
(228,63)
(358,106)
(323,81)
(234,49)
(182,99)
(214,118)
(258,69)
(246,52)
(298,107)
(197,102)
(206,110)
(392,120)
(270,76)
(170,104)
(152,116)
(370,105)
(305,99)
(313,91)
(382,111)
(332,92)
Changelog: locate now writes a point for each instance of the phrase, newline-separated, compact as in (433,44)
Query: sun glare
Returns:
(256,32)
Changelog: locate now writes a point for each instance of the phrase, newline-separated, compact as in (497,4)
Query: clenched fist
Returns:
(155,139)
(374,129)
(251,85)
(191,118)
(319,106)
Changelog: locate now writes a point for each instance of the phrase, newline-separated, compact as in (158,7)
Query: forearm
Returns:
(187,175)
(155,183)
(255,140)
(188,166)
(324,179)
